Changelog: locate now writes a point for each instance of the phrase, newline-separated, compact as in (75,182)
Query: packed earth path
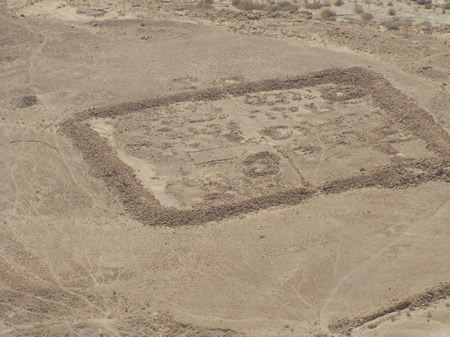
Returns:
(216,168)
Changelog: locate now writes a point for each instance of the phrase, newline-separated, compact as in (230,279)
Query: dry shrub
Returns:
(205,4)
(358,9)
(366,16)
(406,22)
(313,5)
(392,25)
(391,11)
(425,26)
(248,5)
(428,5)
(294,7)
(326,3)
(390,4)
(338,3)
(328,14)
(283,6)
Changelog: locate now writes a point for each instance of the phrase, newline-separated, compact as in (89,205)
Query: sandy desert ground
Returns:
(174,168)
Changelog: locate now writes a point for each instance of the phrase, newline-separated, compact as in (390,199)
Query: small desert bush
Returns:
(406,22)
(392,25)
(283,6)
(366,16)
(428,5)
(328,14)
(205,4)
(426,27)
(390,4)
(313,5)
(391,11)
(293,7)
(248,5)
(338,3)
(358,9)
(326,3)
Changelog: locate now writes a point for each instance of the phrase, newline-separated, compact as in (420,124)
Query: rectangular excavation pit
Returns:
(209,154)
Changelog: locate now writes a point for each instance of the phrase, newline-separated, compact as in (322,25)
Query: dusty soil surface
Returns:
(169,169)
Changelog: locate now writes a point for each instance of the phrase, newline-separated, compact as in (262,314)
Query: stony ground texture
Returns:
(326,214)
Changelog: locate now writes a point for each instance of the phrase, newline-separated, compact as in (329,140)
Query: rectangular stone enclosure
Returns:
(209,154)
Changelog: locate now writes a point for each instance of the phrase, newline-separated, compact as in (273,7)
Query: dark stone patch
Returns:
(25,101)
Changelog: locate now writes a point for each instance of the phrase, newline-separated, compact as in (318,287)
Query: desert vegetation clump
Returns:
(248,5)
(392,11)
(392,25)
(406,22)
(425,27)
(328,14)
(205,4)
(358,9)
(283,6)
(338,3)
(366,16)
(313,5)
(428,4)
